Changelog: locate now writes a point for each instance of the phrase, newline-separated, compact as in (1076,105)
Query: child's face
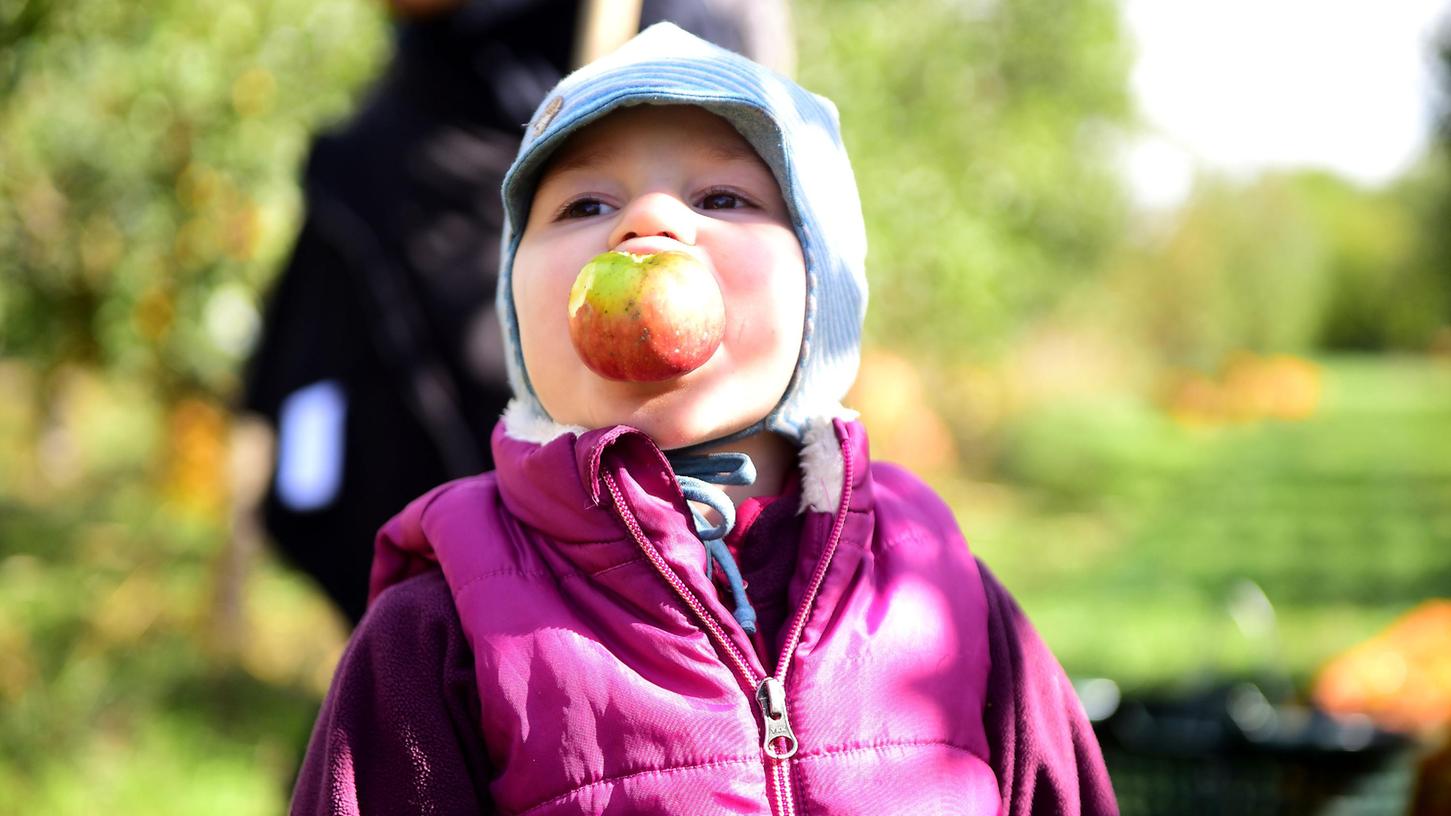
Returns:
(647,179)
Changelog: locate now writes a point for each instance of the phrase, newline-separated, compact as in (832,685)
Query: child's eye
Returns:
(723,200)
(583,208)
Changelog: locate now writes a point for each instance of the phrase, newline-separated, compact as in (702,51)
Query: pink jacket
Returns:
(614,680)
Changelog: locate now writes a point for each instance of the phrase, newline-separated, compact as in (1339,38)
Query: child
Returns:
(597,627)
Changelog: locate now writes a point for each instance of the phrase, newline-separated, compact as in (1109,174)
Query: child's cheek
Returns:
(752,265)
(540,296)
(764,285)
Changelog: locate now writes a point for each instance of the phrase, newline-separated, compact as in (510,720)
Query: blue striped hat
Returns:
(795,132)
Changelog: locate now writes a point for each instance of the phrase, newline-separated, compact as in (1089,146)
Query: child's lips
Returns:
(651,244)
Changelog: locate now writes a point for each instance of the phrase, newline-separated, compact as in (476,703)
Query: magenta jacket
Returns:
(609,678)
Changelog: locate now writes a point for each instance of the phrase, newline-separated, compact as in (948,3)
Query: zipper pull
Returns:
(771,697)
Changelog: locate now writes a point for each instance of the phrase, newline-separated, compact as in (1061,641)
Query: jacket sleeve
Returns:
(398,732)
(1044,752)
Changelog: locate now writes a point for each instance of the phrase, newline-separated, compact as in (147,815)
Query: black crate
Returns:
(1231,751)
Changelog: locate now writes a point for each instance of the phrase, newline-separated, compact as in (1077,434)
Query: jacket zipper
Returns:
(778,741)
(786,793)
(712,627)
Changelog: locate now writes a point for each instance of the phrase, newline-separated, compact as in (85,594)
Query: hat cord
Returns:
(698,477)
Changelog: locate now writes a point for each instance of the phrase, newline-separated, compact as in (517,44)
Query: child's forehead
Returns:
(697,130)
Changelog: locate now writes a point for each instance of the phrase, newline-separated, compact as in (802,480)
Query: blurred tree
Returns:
(1290,262)
(148,162)
(982,135)
(1390,286)
(1438,213)
(1240,269)
(148,157)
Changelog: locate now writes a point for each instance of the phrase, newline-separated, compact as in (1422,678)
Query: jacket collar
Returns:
(551,475)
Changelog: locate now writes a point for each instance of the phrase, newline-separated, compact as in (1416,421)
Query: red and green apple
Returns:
(645,318)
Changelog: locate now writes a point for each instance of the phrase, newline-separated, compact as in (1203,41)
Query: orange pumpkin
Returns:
(1401,678)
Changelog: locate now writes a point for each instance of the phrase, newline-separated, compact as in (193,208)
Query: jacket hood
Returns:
(798,136)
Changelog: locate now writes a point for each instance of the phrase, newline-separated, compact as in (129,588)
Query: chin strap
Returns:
(698,476)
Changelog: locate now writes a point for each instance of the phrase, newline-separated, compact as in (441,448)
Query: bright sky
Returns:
(1244,85)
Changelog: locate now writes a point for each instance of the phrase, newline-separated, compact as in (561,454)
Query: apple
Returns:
(645,318)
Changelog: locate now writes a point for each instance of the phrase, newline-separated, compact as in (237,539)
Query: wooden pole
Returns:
(604,25)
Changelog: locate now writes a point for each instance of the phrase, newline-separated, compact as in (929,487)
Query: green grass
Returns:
(1134,534)
(115,695)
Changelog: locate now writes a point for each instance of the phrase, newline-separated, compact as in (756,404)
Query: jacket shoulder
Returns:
(457,495)
(470,496)
(907,507)
(453,517)
(897,481)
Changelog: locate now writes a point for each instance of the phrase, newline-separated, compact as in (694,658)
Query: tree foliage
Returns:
(148,163)
(1297,262)
(982,135)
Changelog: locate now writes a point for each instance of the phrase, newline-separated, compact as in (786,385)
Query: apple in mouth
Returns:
(645,318)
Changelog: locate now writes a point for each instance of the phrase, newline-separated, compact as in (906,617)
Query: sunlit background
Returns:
(1161,300)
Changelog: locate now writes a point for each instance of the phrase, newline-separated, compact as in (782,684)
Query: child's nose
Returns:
(656,214)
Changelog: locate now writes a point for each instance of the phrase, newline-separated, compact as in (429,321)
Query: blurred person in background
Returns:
(380,364)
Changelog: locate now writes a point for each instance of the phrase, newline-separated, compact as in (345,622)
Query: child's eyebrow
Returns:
(580,159)
(730,151)
(591,157)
